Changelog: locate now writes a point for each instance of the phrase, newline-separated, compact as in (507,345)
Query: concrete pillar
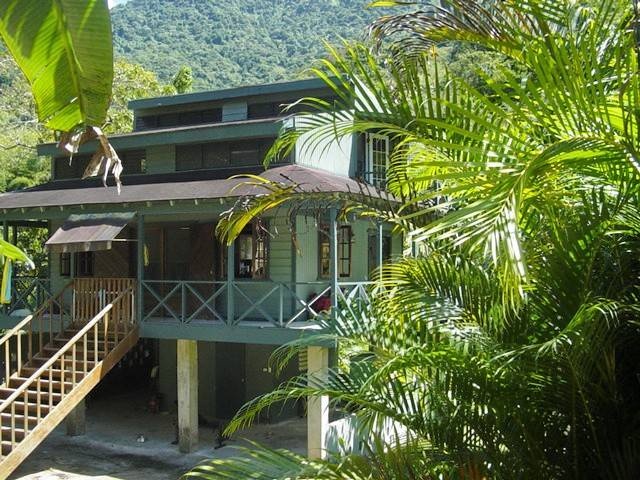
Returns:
(317,407)
(76,421)
(187,370)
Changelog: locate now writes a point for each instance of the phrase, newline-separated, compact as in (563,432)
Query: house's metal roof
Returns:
(295,86)
(174,186)
(88,232)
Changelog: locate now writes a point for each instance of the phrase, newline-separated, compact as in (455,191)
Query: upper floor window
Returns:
(343,246)
(220,154)
(377,159)
(133,162)
(180,119)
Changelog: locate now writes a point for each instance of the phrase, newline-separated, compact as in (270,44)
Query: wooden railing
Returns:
(68,367)
(90,295)
(39,329)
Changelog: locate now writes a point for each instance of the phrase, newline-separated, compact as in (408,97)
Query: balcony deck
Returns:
(251,311)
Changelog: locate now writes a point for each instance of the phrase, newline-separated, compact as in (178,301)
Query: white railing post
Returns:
(333,253)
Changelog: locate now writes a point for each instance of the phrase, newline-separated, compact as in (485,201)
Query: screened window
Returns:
(65,264)
(165,120)
(84,264)
(133,162)
(377,159)
(343,250)
(373,249)
(252,253)
(219,154)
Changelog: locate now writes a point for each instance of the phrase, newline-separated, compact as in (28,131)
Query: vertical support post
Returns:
(15,235)
(379,250)
(76,420)
(140,268)
(333,253)
(231,272)
(187,371)
(5,236)
(317,406)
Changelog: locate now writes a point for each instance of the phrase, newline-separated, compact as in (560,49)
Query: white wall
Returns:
(328,154)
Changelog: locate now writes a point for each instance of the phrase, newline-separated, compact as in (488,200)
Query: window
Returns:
(252,253)
(84,264)
(65,264)
(377,159)
(343,250)
(133,162)
(219,154)
(373,249)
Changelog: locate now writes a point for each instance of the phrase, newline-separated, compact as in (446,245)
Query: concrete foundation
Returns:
(76,421)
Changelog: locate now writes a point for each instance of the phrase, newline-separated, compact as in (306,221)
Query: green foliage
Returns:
(183,80)
(237,42)
(508,348)
(64,49)
(131,82)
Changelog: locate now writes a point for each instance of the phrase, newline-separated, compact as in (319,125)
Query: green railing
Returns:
(28,293)
(279,303)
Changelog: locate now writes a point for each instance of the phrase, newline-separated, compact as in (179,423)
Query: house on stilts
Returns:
(144,267)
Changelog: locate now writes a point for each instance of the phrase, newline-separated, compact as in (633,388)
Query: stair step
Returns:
(55,373)
(32,394)
(62,341)
(31,408)
(49,351)
(56,385)
(39,361)
(5,420)
(5,434)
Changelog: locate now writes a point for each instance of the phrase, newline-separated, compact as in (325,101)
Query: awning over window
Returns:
(84,233)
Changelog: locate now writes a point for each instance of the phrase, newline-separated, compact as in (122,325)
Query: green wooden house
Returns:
(210,313)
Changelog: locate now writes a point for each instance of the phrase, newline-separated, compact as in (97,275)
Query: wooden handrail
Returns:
(21,389)
(38,311)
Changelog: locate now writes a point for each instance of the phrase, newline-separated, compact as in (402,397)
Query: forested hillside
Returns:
(236,42)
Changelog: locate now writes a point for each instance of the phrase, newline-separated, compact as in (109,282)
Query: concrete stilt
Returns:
(187,371)
(76,421)
(317,407)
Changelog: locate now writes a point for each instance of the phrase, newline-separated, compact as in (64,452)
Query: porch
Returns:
(264,303)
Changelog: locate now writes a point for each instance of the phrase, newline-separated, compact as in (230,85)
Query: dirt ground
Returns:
(112,450)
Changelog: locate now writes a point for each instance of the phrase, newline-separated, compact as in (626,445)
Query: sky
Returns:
(113,3)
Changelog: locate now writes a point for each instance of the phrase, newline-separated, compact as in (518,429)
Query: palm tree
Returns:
(507,349)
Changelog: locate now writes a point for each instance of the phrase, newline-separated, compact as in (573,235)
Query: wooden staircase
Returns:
(54,357)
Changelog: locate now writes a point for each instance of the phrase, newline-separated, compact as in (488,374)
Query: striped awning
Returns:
(91,232)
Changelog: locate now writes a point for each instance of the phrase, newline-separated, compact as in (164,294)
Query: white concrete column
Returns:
(317,407)
(187,371)
(76,420)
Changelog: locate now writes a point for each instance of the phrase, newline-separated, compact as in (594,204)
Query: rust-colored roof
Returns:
(91,232)
(163,188)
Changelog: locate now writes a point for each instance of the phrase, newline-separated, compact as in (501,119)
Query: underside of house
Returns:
(139,281)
